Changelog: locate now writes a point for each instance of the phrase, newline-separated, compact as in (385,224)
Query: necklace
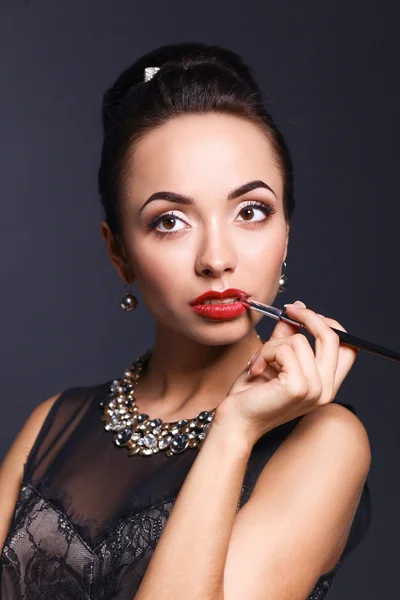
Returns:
(140,434)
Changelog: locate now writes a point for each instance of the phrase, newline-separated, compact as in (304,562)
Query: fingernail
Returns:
(298,304)
(322,316)
(252,358)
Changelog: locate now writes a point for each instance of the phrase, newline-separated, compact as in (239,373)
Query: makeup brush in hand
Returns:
(350,340)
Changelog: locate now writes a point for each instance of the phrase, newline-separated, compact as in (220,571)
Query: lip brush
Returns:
(350,340)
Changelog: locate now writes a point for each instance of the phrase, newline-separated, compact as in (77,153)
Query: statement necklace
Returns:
(140,434)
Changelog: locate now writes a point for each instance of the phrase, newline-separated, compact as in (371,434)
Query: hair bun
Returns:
(184,55)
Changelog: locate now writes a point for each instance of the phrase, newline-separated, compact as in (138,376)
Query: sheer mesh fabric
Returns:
(88,517)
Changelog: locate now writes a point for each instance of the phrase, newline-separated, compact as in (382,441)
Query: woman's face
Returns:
(178,251)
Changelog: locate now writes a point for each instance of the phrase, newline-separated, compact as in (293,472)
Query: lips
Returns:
(215,295)
(220,312)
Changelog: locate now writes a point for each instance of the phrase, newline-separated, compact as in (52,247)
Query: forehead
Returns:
(198,154)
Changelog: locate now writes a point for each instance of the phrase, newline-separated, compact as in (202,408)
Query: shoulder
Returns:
(38,415)
(330,439)
(12,467)
(27,435)
(337,425)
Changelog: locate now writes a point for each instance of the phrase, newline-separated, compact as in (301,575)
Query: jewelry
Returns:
(140,434)
(283,280)
(149,72)
(128,302)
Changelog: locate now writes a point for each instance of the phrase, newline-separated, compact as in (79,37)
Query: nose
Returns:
(216,254)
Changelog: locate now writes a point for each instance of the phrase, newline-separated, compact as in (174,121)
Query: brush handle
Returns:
(352,340)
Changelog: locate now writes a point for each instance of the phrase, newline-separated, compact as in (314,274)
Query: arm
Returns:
(277,545)
(189,558)
(12,467)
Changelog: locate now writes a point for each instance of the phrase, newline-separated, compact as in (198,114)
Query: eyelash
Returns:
(266,208)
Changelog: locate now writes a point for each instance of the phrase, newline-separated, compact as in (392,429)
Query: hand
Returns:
(286,378)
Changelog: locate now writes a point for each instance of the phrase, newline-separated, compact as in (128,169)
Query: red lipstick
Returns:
(222,311)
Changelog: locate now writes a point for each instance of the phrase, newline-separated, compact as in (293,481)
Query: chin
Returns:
(220,333)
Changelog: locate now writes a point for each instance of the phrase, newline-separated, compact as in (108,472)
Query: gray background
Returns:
(330,72)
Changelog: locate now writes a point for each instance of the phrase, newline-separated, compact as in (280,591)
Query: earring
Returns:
(283,280)
(128,302)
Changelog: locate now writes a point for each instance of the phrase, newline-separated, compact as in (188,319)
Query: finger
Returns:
(306,358)
(326,347)
(347,356)
(290,371)
(283,329)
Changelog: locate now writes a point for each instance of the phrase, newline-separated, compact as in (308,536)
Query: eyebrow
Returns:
(188,200)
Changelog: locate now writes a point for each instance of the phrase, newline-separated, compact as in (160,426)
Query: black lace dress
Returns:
(89,516)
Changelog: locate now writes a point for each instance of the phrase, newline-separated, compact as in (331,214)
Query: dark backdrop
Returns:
(330,72)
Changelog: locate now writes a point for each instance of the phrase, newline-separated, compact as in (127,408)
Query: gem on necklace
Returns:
(183,422)
(179,443)
(165,442)
(142,418)
(150,441)
(114,385)
(119,426)
(146,451)
(123,437)
(155,423)
(203,416)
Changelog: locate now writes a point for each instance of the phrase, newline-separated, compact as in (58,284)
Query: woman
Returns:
(196,184)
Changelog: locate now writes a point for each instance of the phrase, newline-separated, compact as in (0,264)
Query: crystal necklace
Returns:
(140,434)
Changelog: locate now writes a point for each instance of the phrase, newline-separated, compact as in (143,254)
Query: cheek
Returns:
(163,274)
(266,252)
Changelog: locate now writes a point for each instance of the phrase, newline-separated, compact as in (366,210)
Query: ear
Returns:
(117,253)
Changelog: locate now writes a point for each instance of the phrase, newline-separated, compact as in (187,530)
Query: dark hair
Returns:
(193,78)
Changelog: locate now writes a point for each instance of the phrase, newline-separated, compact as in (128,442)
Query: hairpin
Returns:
(149,72)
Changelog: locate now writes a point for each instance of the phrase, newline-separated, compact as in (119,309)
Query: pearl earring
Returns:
(128,302)
(283,280)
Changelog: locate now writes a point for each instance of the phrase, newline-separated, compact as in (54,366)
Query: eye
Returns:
(166,217)
(263,207)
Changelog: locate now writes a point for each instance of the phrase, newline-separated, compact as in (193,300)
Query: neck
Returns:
(183,377)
